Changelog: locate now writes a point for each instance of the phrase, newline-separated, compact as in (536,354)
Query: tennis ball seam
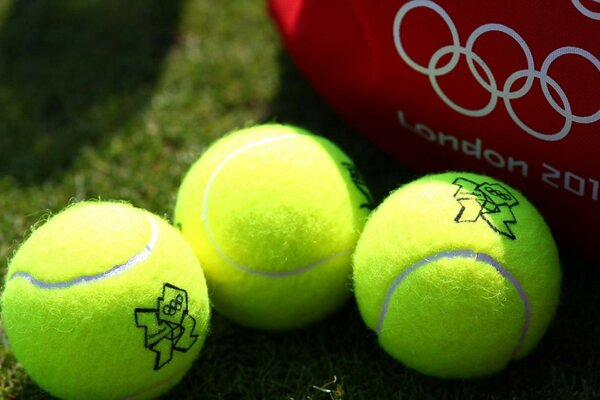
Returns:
(284,274)
(215,243)
(118,269)
(482,257)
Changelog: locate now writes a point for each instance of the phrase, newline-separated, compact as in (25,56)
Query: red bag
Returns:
(511,89)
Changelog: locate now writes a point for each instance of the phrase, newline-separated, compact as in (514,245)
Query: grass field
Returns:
(114,100)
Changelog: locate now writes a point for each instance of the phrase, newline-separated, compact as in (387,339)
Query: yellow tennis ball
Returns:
(458,274)
(105,301)
(274,214)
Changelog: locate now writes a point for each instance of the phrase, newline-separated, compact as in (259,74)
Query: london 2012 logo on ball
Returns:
(489,82)
(490,202)
(169,327)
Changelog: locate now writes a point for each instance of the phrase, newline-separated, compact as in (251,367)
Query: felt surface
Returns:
(87,340)
(457,316)
(273,214)
(70,248)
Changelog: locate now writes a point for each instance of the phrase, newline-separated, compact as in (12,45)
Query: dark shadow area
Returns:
(72,72)
(297,103)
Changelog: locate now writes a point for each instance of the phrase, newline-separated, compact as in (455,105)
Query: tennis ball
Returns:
(458,274)
(105,301)
(274,214)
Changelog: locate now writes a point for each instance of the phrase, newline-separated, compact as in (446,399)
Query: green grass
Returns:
(114,100)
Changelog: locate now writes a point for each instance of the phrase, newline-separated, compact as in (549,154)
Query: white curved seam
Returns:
(118,269)
(463,254)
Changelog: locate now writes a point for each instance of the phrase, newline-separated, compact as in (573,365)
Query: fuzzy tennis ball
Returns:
(457,274)
(105,301)
(274,214)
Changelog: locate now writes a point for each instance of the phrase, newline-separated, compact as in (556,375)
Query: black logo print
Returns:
(168,327)
(490,201)
(360,184)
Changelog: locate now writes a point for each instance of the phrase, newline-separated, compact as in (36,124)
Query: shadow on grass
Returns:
(72,72)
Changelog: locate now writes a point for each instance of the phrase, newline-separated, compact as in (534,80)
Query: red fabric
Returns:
(511,89)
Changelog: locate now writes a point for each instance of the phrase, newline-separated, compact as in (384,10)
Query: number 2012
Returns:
(571,182)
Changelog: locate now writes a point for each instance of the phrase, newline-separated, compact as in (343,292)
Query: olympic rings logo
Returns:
(489,83)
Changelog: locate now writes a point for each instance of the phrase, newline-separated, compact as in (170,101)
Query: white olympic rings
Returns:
(489,82)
